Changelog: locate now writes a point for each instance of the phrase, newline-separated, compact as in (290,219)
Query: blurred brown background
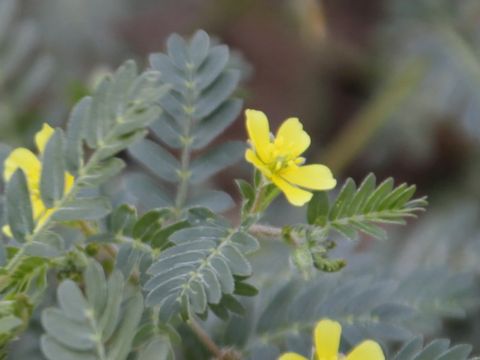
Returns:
(382,85)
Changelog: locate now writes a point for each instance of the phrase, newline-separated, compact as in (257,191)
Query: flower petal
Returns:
(27,161)
(291,139)
(252,158)
(7,231)
(295,195)
(316,176)
(42,137)
(259,133)
(44,217)
(69,180)
(292,356)
(327,339)
(367,350)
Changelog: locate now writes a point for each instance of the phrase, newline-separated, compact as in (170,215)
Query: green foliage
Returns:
(28,277)
(197,109)
(97,325)
(367,306)
(108,122)
(360,209)
(452,293)
(435,350)
(204,267)
(294,311)
(127,280)
(354,210)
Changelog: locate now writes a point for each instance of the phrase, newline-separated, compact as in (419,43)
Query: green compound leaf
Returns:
(98,325)
(27,276)
(197,109)
(200,269)
(436,350)
(361,210)
(116,114)
(108,122)
(52,181)
(19,207)
(367,306)
(121,108)
(135,238)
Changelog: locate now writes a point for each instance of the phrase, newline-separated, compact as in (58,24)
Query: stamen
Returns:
(299,161)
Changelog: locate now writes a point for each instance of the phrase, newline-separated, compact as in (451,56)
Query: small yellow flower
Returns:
(327,335)
(30,164)
(279,159)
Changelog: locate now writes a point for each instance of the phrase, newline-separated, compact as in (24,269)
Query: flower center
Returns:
(282,161)
(279,158)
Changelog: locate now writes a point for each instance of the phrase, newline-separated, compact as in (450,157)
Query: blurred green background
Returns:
(383,86)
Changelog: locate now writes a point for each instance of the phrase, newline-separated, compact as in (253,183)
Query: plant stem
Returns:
(274,232)
(15,260)
(86,228)
(186,151)
(259,195)
(265,230)
(184,177)
(98,338)
(257,201)
(205,339)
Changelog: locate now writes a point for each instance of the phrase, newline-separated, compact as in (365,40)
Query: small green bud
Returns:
(92,249)
(322,263)
(302,258)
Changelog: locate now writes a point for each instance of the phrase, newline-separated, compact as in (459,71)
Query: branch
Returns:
(205,339)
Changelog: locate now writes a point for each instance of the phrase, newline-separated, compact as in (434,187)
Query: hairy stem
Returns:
(275,233)
(257,201)
(265,230)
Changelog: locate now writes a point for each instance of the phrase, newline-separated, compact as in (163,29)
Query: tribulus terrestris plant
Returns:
(141,263)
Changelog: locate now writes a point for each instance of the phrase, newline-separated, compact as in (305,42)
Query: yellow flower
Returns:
(327,335)
(30,164)
(279,159)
